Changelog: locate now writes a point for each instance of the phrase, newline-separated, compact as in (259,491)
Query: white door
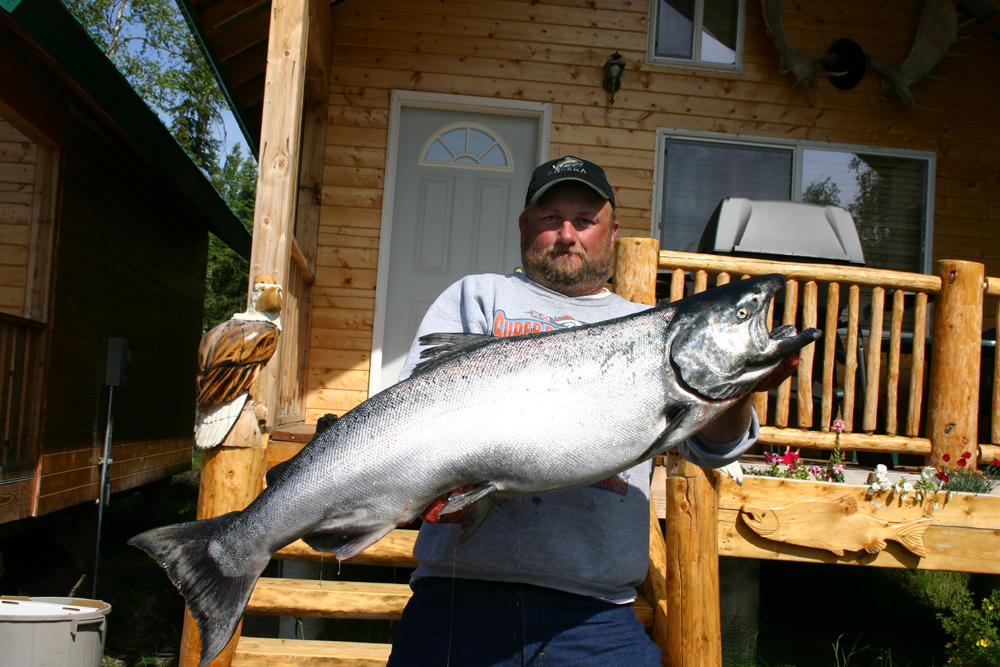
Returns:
(460,179)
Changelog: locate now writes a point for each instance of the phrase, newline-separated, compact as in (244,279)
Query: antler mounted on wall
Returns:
(804,68)
(936,33)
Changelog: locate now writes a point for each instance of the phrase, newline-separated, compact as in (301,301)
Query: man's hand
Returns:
(779,374)
(432,514)
(735,421)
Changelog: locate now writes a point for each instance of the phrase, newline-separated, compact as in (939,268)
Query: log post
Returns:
(635,269)
(957,331)
(635,280)
(655,585)
(694,621)
(232,475)
(280,148)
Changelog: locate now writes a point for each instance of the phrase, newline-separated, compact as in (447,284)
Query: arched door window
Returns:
(469,145)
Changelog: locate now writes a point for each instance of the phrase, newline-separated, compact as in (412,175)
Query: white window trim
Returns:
(797,148)
(694,63)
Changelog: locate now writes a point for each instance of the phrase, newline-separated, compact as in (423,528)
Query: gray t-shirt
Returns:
(590,541)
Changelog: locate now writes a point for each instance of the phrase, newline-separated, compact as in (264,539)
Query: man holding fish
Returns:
(548,579)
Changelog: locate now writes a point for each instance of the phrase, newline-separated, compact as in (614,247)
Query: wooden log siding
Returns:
(18,160)
(553,51)
(21,366)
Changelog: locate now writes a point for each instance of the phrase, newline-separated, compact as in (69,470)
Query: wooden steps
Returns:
(349,599)
(328,599)
(260,652)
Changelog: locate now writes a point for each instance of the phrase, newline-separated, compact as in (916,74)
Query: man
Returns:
(547,580)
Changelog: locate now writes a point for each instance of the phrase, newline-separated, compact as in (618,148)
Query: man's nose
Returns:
(567,232)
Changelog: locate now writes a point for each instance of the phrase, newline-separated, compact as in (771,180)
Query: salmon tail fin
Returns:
(911,535)
(216,600)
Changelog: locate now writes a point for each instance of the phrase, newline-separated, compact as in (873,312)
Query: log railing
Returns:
(900,384)
(903,402)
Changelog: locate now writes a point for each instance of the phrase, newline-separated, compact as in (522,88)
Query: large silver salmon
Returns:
(511,416)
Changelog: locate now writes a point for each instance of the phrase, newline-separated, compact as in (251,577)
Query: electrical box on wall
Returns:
(119,355)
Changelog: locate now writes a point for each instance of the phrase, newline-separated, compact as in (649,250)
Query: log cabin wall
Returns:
(18,159)
(553,51)
(124,268)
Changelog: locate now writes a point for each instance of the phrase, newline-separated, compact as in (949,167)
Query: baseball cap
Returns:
(567,168)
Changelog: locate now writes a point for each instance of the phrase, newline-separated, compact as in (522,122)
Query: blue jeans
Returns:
(470,623)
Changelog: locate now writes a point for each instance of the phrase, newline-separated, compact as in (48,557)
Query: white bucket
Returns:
(52,632)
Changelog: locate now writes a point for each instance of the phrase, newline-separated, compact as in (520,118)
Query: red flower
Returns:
(789,457)
(942,476)
(946,457)
(966,455)
(961,462)
(996,462)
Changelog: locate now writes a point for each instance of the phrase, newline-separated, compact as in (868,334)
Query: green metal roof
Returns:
(53,28)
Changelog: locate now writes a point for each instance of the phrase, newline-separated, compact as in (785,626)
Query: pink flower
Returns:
(771,458)
(838,469)
(838,426)
(790,457)
(815,471)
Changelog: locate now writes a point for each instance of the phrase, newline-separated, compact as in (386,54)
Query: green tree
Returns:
(226,283)
(825,192)
(871,209)
(152,46)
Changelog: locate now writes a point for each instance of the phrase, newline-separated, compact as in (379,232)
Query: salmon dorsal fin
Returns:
(442,347)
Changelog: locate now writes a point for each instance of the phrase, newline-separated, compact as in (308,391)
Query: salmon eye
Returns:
(742,313)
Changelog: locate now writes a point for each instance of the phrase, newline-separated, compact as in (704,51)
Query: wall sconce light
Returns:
(613,69)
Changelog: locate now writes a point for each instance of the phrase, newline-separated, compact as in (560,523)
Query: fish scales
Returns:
(506,416)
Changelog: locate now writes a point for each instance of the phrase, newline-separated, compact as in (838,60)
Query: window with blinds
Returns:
(887,193)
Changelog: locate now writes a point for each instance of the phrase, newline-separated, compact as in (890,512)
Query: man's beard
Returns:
(546,269)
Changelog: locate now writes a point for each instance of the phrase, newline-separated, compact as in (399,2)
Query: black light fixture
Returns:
(613,69)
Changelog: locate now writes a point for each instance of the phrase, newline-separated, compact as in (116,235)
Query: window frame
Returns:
(694,62)
(797,148)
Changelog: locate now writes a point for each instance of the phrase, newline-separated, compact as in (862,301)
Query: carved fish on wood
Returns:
(835,525)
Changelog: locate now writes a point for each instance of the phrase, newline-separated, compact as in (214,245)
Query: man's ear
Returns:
(520,223)
(615,226)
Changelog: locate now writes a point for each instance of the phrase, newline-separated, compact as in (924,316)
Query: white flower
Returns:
(929,474)
(880,469)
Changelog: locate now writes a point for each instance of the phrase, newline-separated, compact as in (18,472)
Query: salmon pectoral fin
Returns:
(911,535)
(344,542)
(460,501)
(675,415)
(477,514)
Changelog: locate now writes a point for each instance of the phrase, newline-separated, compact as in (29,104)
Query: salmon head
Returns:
(727,348)
(763,520)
